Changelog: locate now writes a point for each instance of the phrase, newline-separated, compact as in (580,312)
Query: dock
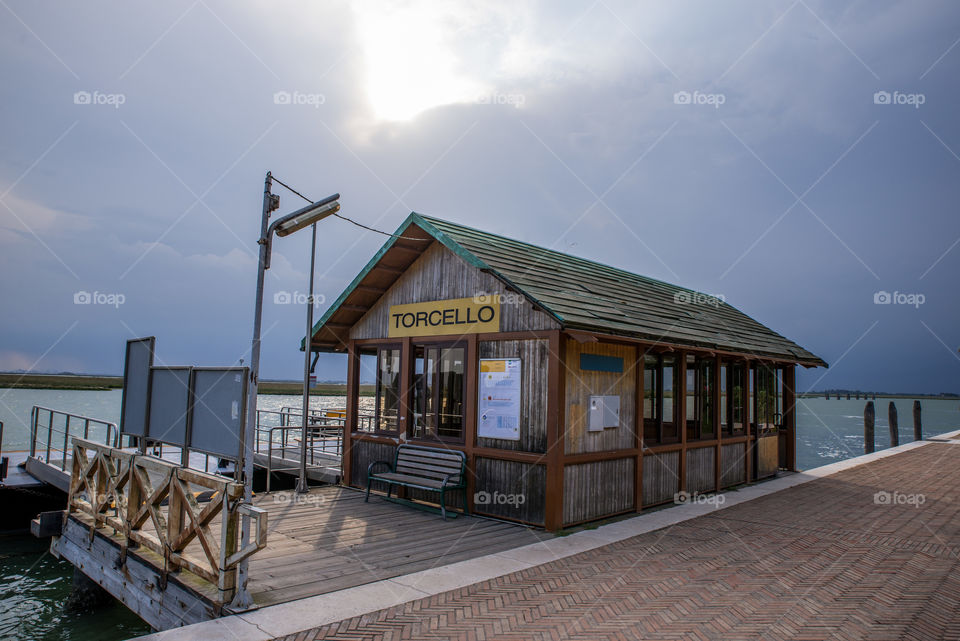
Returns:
(863,548)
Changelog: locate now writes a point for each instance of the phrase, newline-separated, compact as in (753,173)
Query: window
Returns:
(767,399)
(737,397)
(699,398)
(725,397)
(671,385)
(651,395)
(439,379)
(380,366)
(661,379)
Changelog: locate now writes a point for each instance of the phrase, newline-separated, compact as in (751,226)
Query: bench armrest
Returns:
(376,463)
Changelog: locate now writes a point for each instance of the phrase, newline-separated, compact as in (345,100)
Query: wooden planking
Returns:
(595,490)
(581,384)
(733,467)
(534,355)
(135,583)
(661,477)
(701,469)
(439,274)
(768,455)
(362,454)
(331,539)
(510,479)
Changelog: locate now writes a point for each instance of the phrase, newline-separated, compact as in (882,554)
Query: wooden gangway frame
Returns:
(148,509)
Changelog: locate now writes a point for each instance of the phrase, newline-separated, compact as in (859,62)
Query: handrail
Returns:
(111,439)
(150,502)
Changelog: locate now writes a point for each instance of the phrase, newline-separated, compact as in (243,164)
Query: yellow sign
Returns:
(445,317)
(490,365)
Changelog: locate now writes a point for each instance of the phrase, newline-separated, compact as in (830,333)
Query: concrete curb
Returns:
(296,616)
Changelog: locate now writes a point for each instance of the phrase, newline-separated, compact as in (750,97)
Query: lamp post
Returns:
(302,487)
(284,226)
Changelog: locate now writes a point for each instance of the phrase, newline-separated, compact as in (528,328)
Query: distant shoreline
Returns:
(102,383)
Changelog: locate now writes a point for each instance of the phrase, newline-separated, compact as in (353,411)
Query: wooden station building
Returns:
(576,390)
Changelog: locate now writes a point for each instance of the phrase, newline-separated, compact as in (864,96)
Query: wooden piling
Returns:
(894,427)
(917,429)
(848,396)
(868,418)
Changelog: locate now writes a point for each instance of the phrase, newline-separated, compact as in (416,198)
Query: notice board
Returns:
(498,400)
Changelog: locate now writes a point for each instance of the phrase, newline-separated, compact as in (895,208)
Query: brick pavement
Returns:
(823,560)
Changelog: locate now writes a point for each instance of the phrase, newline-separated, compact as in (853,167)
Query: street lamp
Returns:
(284,226)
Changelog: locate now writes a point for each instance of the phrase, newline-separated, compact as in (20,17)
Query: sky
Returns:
(799,158)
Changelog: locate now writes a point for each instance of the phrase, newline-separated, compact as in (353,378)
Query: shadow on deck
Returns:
(330,539)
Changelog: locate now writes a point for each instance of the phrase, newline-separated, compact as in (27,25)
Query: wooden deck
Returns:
(330,540)
(324,541)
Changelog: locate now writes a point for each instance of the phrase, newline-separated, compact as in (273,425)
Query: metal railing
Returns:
(50,423)
(279,434)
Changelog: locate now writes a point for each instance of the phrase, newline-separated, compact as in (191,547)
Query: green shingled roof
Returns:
(585,295)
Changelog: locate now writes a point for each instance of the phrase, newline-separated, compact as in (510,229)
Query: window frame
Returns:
(435,436)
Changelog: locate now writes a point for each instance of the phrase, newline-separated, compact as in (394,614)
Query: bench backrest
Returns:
(430,462)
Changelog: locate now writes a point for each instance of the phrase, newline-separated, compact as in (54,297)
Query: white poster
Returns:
(498,405)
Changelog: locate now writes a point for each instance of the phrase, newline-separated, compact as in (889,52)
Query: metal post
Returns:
(302,487)
(243,600)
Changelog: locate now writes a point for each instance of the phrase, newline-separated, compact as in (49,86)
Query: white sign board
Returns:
(498,401)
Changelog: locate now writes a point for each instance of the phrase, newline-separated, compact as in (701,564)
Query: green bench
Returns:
(424,468)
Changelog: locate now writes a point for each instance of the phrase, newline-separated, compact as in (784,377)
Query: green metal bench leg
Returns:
(443,504)
(367,497)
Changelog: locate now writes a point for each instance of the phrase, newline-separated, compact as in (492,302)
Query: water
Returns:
(34,585)
(33,589)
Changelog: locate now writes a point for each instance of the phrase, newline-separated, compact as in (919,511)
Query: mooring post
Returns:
(868,416)
(894,428)
(917,429)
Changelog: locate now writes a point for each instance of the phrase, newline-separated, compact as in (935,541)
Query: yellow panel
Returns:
(455,316)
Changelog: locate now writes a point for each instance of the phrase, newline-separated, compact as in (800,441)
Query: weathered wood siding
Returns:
(500,483)
(439,274)
(661,477)
(534,355)
(362,454)
(582,384)
(733,464)
(701,470)
(768,456)
(595,490)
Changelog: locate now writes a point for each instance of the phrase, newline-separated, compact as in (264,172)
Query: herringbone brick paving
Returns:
(823,560)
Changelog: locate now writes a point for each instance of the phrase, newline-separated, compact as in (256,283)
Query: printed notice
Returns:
(498,406)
